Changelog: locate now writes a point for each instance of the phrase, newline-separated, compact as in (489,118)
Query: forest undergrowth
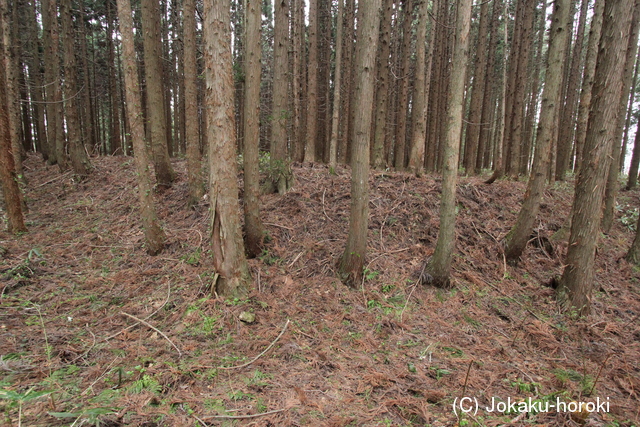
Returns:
(93,331)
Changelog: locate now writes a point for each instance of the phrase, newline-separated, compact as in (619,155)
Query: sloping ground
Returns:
(390,353)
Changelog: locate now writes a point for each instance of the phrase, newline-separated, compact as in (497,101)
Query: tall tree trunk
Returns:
(488,99)
(477,93)
(378,159)
(88,89)
(11,63)
(156,119)
(8,174)
(576,285)
(335,120)
(584,105)
(298,80)
(79,160)
(115,139)
(351,262)
(418,113)
(568,117)
(403,86)
(154,236)
(281,175)
(516,239)
(254,231)
(312,85)
(192,131)
(630,115)
(611,190)
(517,113)
(233,277)
(348,53)
(438,268)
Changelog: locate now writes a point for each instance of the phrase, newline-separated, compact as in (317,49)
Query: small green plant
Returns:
(525,387)
(192,258)
(16,399)
(370,274)
(440,372)
(629,216)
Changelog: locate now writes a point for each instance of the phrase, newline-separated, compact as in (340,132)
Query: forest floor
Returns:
(390,353)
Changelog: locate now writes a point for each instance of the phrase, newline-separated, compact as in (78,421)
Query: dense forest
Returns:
(388,181)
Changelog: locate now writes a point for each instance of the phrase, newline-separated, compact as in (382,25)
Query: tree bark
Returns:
(80,162)
(280,174)
(576,285)
(351,262)
(8,175)
(156,119)
(568,118)
(477,94)
(227,247)
(335,119)
(418,113)
(438,268)
(403,87)
(254,231)
(611,190)
(378,159)
(516,239)
(584,104)
(154,236)
(192,131)
(312,85)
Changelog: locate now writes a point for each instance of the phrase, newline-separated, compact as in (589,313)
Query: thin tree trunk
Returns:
(335,120)
(611,191)
(418,113)
(477,94)
(576,285)
(154,236)
(254,231)
(584,105)
(403,86)
(312,85)
(351,262)
(280,175)
(516,239)
(438,268)
(382,88)
(79,160)
(192,132)
(566,131)
(153,70)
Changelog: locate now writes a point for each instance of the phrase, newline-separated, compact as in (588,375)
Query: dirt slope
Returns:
(390,353)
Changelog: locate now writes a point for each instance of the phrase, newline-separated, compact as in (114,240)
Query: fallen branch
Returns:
(149,325)
(242,417)
(152,314)
(261,354)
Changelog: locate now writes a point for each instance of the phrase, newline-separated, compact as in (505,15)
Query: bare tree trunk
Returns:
(298,80)
(233,277)
(8,174)
(192,131)
(254,231)
(477,94)
(153,70)
(154,236)
(438,268)
(418,113)
(516,239)
(335,120)
(312,85)
(568,118)
(280,175)
(115,139)
(382,88)
(403,84)
(351,262)
(611,191)
(576,285)
(584,105)
(79,160)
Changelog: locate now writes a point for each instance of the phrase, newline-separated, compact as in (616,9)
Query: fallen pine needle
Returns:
(144,322)
(261,354)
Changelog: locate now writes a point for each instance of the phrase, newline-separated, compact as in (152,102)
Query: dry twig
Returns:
(149,325)
(261,354)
